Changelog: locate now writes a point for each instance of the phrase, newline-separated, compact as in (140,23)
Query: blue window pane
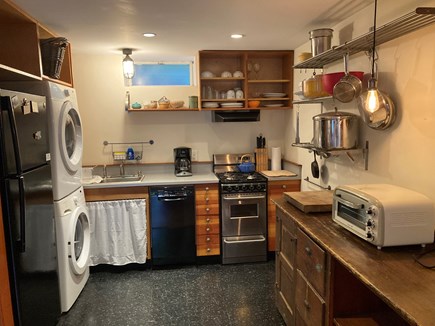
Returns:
(161,74)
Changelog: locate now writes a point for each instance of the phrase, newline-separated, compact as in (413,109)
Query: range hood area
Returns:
(236,116)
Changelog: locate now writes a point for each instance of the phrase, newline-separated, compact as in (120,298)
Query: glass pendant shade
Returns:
(376,107)
(128,67)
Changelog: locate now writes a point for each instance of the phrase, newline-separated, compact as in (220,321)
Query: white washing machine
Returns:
(73,246)
(66,139)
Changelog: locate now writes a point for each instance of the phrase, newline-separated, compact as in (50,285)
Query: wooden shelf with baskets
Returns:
(22,60)
(273,73)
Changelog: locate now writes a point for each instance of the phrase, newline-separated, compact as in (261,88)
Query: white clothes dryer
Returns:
(66,139)
(73,246)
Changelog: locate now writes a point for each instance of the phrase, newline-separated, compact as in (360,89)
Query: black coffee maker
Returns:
(182,161)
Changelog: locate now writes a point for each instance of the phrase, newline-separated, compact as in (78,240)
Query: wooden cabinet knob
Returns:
(208,249)
(207,220)
(207,239)
(207,188)
(308,251)
(319,268)
(307,304)
(207,209)
(284,186)
(207,229)
(207,199)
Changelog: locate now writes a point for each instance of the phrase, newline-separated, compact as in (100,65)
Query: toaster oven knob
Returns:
(369,236)
(371,211)
(370,223)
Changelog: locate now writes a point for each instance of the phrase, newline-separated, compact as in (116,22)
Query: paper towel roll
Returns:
(276,158)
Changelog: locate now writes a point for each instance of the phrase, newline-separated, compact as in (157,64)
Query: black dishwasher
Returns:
(172,214)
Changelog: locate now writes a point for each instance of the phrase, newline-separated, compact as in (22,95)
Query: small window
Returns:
(163,74)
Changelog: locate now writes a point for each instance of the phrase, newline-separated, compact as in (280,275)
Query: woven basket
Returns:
(52,53)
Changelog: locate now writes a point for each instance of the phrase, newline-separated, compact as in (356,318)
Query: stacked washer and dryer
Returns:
(71,214)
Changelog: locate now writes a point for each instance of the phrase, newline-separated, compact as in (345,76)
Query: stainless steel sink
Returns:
(123,178)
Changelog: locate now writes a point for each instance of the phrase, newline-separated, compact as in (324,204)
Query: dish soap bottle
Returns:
(130,153)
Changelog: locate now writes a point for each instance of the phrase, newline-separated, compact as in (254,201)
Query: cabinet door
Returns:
(285,267)
(275,191)
(311,260)
(309,305)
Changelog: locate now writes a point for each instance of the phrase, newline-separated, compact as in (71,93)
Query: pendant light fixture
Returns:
(376,107)
(128,64)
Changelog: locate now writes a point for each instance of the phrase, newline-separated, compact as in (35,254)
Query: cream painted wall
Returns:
(402,155)
(101,96)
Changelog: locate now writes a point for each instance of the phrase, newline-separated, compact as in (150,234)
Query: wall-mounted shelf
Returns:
(334,153)
(121,154)
(417,19)
(313,100)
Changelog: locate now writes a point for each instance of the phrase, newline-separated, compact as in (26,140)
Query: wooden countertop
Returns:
(391,273)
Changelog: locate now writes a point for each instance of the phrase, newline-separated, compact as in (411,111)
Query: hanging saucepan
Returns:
(348,87)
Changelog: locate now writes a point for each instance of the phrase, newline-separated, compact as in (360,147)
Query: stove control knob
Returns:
(370,223)
(252,187)
(235,188)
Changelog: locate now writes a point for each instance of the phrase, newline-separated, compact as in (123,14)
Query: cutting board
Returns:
(310,201)
(279,173)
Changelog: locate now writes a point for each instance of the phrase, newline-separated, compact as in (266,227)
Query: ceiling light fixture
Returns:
(128,64)
(149,34)
(376,107)
(237,35)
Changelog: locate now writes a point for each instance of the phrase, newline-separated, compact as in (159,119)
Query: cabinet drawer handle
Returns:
(284,186)
(207,209)
(208,249)
(207,229)
(307,304)
(207,239)
(207,199)
(207,220)
(319,267)
(308,251)
(207,188)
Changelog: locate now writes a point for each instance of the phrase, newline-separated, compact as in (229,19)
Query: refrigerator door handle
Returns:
(21,241)
(11,116)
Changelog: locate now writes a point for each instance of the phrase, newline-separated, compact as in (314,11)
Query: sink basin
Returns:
(123,178)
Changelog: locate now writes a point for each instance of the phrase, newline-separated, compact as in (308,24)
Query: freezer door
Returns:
(30,219)
(24,128)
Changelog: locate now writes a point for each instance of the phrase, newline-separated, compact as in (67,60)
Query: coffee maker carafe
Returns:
(183,164)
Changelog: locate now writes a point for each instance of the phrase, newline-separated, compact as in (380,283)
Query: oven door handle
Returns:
(241,198)
(349,203)
(259,239)
(242,217)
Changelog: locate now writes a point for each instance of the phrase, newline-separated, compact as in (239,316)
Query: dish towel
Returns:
(118,232)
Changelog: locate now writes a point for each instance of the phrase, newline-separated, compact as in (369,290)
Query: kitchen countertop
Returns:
(159,179)
(390,273)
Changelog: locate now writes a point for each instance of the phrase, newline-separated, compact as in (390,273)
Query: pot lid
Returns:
(336,115)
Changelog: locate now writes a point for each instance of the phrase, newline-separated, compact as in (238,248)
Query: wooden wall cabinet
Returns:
(20,58)
(207,220)
(264,73)
(123,193)
(275,189)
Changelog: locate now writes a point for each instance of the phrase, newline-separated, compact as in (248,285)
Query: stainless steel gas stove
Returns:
(243,199)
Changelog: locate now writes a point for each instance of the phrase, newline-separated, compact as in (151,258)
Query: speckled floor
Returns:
(241,294)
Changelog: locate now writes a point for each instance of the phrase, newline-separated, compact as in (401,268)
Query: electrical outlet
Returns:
(194,155)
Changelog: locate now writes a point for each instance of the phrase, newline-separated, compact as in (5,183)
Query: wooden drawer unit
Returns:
(275,190)
(285,259)
(310,306)
(207,220)
(311,260)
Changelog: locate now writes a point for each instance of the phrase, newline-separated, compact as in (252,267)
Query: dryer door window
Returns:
(71,144)
(80,238)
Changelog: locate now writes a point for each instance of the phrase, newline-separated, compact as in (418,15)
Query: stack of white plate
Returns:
(274,105)
(210,105)
(232,105)
(274,94)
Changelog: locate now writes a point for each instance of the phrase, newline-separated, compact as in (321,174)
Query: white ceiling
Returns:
(185,26)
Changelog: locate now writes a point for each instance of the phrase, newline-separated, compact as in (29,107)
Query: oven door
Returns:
(244,215)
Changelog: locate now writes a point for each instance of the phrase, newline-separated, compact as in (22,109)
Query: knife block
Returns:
(261,159)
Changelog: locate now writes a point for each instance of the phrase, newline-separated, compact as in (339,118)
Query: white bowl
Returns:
(238,74)
(226,74)
(207,74)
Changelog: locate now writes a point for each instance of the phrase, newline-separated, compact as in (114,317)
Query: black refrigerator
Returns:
(27,204)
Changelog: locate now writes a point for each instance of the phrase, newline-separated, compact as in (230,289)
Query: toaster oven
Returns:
(384,215)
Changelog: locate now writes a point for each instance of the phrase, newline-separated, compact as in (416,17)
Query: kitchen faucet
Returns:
(104,171)
(121,169)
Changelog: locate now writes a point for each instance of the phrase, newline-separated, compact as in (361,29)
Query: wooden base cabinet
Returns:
(275,189)
(285,261)
(207,220)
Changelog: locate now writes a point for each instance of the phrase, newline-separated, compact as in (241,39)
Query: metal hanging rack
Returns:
(307,179)
(410,22)
(121,155)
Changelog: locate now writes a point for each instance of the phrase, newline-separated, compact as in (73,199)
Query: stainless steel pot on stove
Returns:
(335,130)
